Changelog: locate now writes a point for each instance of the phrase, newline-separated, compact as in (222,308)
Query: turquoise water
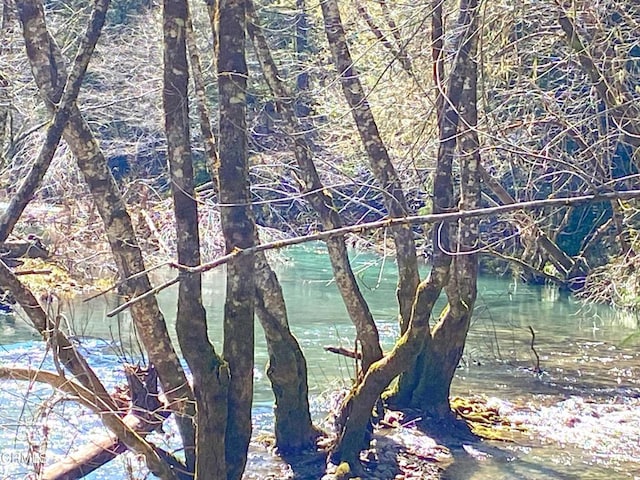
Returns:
(584,409)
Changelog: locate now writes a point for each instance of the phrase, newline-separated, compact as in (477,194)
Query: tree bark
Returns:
(50,75)
(238,228)
(356,305)
(431,394)
(287,367)
(447,347)
(443,199)
(287,370)
(208,137)
(210,372)
(380,162)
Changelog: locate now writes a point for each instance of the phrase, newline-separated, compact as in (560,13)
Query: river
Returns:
(583,411)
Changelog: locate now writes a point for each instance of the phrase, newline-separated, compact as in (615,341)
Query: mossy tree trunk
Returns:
(433,359)
(287,368)
(357,307)
(449,103)
(441,358)
(210,372)
(48,66)
(238,228)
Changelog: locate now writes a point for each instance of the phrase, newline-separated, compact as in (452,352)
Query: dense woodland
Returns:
(463,134)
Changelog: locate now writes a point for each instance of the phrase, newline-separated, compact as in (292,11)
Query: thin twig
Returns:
(537,368)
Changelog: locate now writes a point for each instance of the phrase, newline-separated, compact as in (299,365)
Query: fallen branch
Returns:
(344,351)
(386,223)
(146,415)
(87,386)
(32,272)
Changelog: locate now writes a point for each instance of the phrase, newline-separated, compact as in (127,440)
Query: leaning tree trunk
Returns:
(239,230)
(50,74)
(356,305)
(381,165)
(41,163)
(88,388)
(210,372)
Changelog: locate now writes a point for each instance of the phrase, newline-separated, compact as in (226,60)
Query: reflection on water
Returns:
(584,409)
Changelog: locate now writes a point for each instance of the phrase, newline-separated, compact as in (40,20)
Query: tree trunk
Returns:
(431,394)
(359,404)
(435,366)
(49,71)
(287,368)
(443,199)
(381,165)
(239,231)
(210,372)
(357,308)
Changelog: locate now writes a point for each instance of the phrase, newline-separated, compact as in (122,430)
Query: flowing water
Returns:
(582,411)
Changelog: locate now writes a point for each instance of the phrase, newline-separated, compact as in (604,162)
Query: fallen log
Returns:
(146,414)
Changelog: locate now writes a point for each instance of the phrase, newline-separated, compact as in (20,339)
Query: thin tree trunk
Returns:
(210,372)
(204,118)
(5,115)
(238,227)
(50,75)
(357,308)
(302,45)
(381,165)
(61,115)
(620,105)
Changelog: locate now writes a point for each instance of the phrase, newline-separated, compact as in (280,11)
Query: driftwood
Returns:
(145,414)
